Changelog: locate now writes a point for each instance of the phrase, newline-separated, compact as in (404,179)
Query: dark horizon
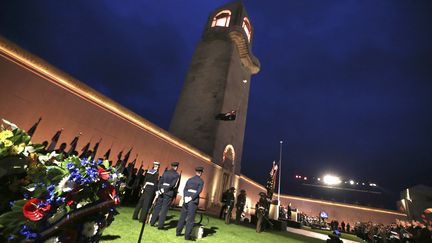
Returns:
(346,85)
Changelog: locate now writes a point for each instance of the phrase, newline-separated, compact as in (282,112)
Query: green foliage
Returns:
(12,220)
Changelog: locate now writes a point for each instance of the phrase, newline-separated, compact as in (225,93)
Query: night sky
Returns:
(346,84)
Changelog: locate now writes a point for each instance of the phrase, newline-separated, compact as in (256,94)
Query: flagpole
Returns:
(280,168)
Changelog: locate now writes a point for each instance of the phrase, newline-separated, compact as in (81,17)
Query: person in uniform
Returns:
(191,194)
(240,204)
(165,195)
(224,204)
(230,201)
(148,191)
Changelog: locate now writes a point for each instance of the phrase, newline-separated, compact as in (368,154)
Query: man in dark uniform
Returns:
(230,201)
(191,194)
(240,204)
(148,191)
(224,203)
(165,194)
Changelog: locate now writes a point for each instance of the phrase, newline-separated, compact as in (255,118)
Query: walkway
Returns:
(314,234)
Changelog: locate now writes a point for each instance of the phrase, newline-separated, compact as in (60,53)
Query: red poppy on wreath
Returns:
(103,174)
(110,193)
(32,211)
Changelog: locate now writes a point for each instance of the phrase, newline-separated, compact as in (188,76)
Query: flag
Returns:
(126,158)
(54,140)
(32,130)
(139,176)
(229,116)
(85,151)
(107,154)
(95,149)
(73,145)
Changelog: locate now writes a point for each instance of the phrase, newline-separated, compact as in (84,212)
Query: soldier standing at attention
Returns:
(230,202)
(148,191)
(165,195)
(241,202)
(191,194)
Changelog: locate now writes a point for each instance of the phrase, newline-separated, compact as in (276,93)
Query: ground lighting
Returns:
(331,180)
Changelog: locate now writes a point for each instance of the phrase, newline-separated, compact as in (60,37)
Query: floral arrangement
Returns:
(52,198)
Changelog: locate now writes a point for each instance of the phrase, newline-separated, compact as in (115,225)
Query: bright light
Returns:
(363,184)
(305,178)
(319,179)
(372,184)
(245,81)
(331,180)
(351,182)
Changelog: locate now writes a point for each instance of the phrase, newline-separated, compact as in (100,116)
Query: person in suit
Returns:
(165,195)
(148,191)
(191,193)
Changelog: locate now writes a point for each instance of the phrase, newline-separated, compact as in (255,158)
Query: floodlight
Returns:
(331,180)
(351,182)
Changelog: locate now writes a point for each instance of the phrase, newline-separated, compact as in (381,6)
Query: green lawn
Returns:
(343,235)
(124,229)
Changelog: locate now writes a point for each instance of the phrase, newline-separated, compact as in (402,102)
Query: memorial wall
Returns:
(32,88)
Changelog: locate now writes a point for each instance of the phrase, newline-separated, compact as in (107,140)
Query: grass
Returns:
(343,235)
(124,229)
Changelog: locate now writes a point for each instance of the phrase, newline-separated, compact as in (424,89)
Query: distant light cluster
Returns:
(333,180)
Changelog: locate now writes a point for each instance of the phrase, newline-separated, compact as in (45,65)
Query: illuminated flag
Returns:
(229,116)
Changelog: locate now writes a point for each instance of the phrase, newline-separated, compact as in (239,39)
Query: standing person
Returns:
(343,226)
(191,194)
(348,227)
(165,194)
(148,191)
(230,203)
(241,202)
(224,204)
(289,212)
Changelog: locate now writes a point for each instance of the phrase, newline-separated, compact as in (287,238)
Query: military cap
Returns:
(199,169)
(174,163)
(242,191)
(156,163)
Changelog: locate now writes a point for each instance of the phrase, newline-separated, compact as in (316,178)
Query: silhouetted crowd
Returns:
(401,231)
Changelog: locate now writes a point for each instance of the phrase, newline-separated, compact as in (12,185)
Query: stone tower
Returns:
(218,81)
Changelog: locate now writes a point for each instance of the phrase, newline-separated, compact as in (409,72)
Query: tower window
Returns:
(247,28)
(222,19)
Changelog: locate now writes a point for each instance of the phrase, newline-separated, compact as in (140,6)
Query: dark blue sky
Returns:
(346,84)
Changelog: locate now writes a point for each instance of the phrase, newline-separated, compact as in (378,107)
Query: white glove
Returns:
(187,199)
(162,191)
(157,193)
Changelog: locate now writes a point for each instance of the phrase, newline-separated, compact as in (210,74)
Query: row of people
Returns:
(228,200)
(159,193)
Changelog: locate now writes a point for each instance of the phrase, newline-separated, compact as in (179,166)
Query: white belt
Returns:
(149,183)
(192,190)
(165,184)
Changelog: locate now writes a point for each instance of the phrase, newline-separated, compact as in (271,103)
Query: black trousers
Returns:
(187,216)
(160,210)
(239,211)
(222,212)
(144,204)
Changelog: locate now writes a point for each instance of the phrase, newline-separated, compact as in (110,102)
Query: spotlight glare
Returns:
(319,179)
(351,182)
(331,180)
(372,184)
(305,178)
